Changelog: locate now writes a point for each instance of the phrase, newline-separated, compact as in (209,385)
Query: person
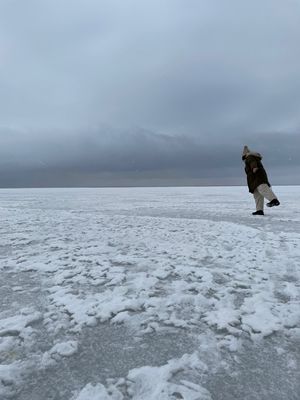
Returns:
(258,182)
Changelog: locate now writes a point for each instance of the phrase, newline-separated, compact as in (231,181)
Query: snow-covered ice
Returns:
(149,293)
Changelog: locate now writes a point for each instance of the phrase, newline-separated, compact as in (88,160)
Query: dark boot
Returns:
(273,203)
(259,212)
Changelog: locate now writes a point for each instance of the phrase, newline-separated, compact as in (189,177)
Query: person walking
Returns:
(258,182)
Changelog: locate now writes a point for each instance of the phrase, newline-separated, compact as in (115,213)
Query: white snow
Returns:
(152,383)
(152,261)
(14,326)
(98,392)
(65,349)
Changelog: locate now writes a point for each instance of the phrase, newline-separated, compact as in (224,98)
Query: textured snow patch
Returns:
(121,317)
(98,392)
(152,383)
(10,376)
(65,349)
(13,326)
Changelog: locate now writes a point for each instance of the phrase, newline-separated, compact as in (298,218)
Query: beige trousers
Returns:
(261,192)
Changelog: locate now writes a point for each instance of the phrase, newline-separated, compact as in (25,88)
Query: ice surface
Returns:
(149,293)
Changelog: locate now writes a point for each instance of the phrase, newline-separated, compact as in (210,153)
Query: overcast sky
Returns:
(134,92)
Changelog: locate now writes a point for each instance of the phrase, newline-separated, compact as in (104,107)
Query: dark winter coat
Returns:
(254,179)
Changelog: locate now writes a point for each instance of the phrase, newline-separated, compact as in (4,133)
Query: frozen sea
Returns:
(149,294)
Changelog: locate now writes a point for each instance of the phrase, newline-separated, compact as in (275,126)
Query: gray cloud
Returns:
(106,156)
(200,79)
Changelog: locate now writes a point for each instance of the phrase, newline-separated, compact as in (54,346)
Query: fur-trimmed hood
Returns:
(246,153)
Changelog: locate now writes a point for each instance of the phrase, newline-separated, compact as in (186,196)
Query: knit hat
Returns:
(246,151)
